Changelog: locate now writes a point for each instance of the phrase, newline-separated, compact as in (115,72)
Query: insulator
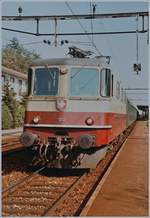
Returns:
(62,42)
(20,9)
(66,41)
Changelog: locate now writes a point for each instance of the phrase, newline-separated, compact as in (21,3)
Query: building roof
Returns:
(12,72)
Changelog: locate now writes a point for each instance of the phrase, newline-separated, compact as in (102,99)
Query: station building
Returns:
(17,80)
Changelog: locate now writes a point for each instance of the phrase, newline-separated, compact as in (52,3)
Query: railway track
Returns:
(37,195)
(43,194)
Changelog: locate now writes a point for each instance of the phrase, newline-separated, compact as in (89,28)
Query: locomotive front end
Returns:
(60,126)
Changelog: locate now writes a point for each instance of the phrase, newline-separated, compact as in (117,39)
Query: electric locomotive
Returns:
(75,108)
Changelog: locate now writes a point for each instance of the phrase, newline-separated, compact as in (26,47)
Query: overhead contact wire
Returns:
(67,4)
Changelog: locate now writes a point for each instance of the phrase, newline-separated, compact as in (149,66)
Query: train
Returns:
(75,108)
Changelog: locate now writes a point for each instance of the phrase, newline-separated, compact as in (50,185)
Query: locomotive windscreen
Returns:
(84,82)
(46,81)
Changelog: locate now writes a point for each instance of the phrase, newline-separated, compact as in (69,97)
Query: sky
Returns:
(121,48)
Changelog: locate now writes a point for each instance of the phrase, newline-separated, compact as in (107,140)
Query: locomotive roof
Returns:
(71,61)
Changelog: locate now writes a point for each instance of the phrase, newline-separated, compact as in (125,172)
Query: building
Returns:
(17,80)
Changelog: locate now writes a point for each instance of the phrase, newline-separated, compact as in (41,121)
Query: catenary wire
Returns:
(69,7)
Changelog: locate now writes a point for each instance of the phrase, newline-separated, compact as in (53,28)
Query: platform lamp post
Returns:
(137,66)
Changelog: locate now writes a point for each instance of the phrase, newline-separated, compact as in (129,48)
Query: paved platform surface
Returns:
(125,190)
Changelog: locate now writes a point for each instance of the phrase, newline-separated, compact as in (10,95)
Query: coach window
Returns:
(125,98)
(118,90)
(3,79)
(20,87)
(84,82)
(12,80)
(105,88)
(122,94)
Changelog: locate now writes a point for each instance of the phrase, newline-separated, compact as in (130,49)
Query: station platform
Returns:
(124,189)
(12,131)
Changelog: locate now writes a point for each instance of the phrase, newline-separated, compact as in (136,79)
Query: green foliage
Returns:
(20,115)
(7,120)
(24,98)
(6,117)
(16,57)
(15,108)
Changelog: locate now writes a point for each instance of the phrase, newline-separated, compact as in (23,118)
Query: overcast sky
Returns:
(121,48)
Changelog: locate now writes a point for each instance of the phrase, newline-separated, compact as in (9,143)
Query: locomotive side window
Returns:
(30,73)
(125,98)
(112,84)
(105,88)
(84,82)
(46,81)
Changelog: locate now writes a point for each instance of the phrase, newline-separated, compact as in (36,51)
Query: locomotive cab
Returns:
(65,115)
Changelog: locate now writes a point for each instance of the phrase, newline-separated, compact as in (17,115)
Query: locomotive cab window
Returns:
(46,81)
(105,88)
(84,82)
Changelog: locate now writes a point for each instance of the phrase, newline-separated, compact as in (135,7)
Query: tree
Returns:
(16,57)
(6,117)
(9,99)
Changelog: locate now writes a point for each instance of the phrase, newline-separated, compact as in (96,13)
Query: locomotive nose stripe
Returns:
(71,126)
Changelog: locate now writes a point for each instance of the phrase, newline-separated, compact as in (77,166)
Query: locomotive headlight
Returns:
(36,119)
(86,141)
(28,139)
(89,121)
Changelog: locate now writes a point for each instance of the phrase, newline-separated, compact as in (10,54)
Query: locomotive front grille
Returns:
(63,140)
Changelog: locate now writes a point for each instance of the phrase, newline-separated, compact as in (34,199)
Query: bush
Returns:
(6,117)
(20,115)
(7,120)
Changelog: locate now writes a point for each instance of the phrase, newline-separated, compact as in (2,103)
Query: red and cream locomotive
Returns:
(75,108)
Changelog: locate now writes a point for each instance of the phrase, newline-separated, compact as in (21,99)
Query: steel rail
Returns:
(58,201)
(54,202)
(22,181)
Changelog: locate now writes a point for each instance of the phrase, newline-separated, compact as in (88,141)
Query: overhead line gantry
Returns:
(57,18)
(74,17)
